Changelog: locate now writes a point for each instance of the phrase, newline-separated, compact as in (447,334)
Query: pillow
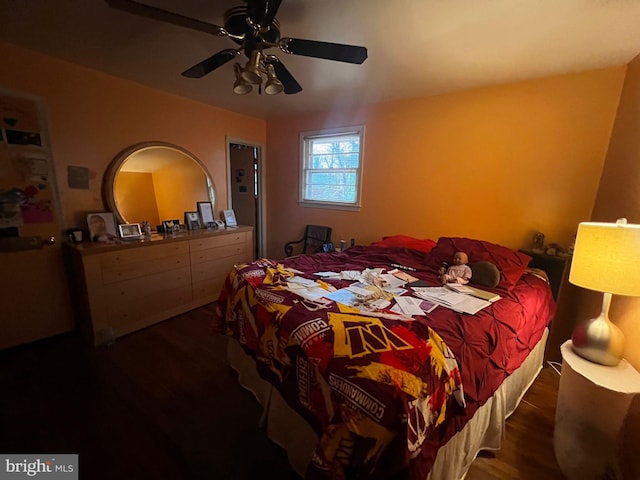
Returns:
(407,242)
(485,274)
(510,263)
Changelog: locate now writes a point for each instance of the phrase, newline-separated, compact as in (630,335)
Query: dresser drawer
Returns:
(128,286)
(127,313)
(217,253)
(208,289)
(137,288)
(217,241)
(215,268)
(128,271)
(143,254)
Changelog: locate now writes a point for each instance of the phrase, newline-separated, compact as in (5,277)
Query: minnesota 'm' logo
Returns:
(357,336)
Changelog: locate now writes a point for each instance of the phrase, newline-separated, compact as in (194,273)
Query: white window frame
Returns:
(330,132)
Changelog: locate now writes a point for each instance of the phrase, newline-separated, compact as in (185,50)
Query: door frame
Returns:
(261,183)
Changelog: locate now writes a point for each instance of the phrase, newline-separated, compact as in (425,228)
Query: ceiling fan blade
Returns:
(270,13)
(326,50)
(165,16)
(263,12)
(199,70)
(290,84)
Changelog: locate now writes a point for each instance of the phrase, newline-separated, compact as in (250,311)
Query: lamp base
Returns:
(599,341)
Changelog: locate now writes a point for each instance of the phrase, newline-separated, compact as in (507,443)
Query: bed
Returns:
(352,391)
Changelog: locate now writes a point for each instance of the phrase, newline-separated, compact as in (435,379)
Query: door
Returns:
(245,188)
(34,295)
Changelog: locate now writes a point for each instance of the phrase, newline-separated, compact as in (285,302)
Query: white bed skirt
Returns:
(483,432)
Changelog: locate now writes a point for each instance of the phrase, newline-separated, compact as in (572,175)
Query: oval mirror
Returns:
(156,181)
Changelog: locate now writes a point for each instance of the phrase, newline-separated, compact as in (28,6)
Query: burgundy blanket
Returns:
(382,394)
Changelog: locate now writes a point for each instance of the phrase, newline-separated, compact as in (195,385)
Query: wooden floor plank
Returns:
(163,403)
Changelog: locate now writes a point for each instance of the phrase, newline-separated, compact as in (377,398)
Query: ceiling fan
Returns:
(255,29)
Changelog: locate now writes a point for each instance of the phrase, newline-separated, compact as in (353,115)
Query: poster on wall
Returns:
(26,186)
(26,194)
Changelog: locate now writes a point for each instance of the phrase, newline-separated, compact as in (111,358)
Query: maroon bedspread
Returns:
(384,408)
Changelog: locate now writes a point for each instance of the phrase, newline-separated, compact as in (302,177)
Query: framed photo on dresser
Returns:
(230,218)
(102,226)
(205,210)
(192,220)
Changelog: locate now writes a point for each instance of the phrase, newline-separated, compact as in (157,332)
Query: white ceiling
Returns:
(416,47)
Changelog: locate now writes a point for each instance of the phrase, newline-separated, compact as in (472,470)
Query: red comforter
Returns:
(383,394)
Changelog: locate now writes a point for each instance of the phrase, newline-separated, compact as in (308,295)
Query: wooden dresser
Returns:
(120,288)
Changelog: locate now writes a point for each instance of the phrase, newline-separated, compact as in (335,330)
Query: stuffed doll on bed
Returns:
(459,272)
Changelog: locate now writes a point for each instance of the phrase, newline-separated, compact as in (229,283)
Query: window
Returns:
(331,167)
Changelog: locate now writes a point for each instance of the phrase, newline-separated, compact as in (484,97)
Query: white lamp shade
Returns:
(606,258)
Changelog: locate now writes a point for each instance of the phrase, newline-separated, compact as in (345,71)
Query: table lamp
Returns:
(606,258)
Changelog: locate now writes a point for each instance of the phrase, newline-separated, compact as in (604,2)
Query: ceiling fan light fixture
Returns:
(254,27)
(251,71)
(240,86)
(273,86)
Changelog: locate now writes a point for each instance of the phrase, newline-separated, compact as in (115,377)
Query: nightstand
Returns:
(555,266)
(594,403)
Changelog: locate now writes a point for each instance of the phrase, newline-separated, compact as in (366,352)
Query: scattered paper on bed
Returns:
(306,288)
(391,281)
(366,304)
(360,291)
(302,281)
(396,291)
(344,296)
(440,295)
(351,275)
(409,305)
(476,292)
(428,307)
(459,302)
(471,305)
(457,287)
(310,293)
(329,274)
(404,276)
(380,303)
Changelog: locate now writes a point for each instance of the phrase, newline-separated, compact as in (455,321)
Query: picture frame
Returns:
(192,220)
(171,226)
(167,226)
(102,226)
(130,230)
(230,218)
(205,210)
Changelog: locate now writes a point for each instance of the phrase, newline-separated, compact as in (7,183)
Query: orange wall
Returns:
(94,116)
(173,202)
(136,197)
(496,163)
(619,196)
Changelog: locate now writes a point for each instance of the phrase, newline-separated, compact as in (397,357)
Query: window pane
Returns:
(331,178)
(331,187)
(334,160)
(331,167)
(331,193)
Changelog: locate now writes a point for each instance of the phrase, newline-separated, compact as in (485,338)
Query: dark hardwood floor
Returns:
(527,451)
(162,403)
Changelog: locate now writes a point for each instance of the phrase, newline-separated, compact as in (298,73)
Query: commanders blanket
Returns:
(382,392)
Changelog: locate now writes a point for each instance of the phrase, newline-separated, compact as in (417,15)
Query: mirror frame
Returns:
(109,178)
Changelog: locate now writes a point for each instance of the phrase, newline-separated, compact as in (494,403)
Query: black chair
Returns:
(315,237)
